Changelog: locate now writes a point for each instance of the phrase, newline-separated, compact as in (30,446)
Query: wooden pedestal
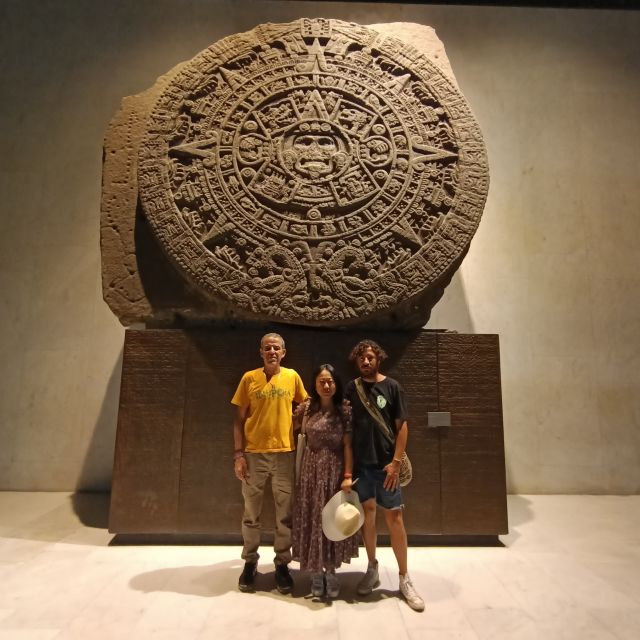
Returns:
(173,462)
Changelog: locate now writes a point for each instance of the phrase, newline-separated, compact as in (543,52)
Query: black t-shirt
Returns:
(370,447)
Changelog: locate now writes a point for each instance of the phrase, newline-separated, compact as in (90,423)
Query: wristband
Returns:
(348,476)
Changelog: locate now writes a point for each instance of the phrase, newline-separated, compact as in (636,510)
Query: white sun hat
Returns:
(342,516)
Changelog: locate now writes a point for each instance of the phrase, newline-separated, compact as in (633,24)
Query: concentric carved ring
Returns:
(314,172)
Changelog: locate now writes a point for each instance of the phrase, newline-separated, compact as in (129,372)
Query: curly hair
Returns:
(363,345)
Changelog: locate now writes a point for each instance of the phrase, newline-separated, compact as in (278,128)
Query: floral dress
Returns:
(320,478)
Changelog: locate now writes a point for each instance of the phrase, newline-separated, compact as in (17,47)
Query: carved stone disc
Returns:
(314,172)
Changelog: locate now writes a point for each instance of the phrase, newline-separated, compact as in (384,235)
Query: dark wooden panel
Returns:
(414,365)
(210,500)
(413,362)
(472,450)
(173,468)
(145,486)
(210,495)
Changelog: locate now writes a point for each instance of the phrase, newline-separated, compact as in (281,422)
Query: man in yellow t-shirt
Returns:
(264,448)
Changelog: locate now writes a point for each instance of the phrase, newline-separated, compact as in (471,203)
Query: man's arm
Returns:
(348,463)
(299,397)
(239,460)
(300,393)
(298,417)
(392,481)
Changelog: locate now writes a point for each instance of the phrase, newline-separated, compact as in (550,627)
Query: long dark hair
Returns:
(337,396)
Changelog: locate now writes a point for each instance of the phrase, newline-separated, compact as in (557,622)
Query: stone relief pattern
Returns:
(122,287)
(315,172)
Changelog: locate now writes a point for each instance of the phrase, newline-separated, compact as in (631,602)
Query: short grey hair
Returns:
(272,335)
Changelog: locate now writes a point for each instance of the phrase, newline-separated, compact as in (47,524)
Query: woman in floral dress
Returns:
(326,468)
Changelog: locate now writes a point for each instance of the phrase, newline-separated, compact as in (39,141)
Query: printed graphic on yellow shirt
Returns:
(265,394)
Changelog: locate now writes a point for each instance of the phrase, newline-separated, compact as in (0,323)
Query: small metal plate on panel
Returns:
(438,419)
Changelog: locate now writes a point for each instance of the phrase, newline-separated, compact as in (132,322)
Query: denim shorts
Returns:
(370,485)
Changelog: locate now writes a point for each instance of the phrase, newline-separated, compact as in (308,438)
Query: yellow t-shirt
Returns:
(269,426)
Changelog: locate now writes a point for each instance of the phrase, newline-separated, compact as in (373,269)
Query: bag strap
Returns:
(374,412)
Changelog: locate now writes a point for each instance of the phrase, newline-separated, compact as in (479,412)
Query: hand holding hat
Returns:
(342,516)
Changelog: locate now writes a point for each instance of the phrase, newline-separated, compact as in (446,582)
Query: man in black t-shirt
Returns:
(377,455)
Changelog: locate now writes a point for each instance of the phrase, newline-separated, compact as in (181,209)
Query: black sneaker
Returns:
(284,581)
(248,576)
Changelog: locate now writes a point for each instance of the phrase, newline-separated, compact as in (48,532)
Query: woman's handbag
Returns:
(406,470)
(301,444)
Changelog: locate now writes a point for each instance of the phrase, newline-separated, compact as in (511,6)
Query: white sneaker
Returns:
(317,585)
(333,585)
(370,580)
(410,595)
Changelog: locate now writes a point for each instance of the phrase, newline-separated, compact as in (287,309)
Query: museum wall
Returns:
(554,267)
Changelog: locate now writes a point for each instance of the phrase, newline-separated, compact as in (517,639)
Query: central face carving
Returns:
(313,155)
(314,150)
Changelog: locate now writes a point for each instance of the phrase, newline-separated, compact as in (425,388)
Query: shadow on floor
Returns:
(92,508)
(222,577)
(520,512)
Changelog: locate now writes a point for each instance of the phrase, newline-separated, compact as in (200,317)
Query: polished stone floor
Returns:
(569,570)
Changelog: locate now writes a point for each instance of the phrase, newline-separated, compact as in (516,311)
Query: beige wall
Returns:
(554,268)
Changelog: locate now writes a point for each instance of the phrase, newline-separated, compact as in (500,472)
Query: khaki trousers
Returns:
(280,468)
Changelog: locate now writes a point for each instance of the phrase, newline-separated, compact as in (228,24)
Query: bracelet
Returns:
(348,475)
(398,460)
(238,453)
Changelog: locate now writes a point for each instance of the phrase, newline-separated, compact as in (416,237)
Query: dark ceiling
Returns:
(567,4)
